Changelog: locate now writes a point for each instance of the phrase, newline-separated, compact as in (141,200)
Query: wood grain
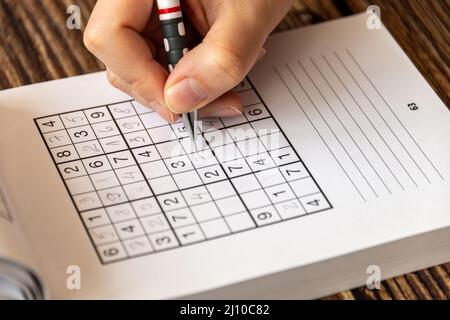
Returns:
(36,46)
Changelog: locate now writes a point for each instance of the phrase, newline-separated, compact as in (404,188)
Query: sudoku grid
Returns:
(140,186)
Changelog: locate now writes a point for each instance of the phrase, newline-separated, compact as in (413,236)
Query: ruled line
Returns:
(356,122)
(317,131)
(381,116)
(392,111)
(329,126)
(373,125)
(342,124)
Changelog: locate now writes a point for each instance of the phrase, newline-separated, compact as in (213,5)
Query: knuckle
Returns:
(231,63)
(93,38)
(114,80)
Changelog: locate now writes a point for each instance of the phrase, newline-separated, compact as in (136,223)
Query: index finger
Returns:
(113,35)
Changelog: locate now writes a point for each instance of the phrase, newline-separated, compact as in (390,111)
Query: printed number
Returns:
(147,154)
(111,252)
(210,175)
(116,160)
(187,235)
(49,124)
(64,154)
(315,203)
(292,171)
(255,112)
(234,168)
(81,134)
(169,202)
(179,164)
(413,106)
(260,162)
(163,240)
(92,219)
(97,115)
(264,216)
(69,170)
(129,229)
(96,164)
(176,218)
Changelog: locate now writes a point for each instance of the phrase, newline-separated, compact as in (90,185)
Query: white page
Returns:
(367,170)
(13,243)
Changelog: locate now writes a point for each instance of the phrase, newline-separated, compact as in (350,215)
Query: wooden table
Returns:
(36,46)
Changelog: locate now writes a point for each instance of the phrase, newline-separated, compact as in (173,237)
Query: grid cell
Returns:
(95,218)
(138,139)
(122,110)
(112,196)
(187,179)
(81,134)
(113,144)
(130,124)
(163,240)
(74,119)
(79,185)
(194,196)
(121,212)
(138,190)
(57,139)
(240,222)
(162,134)
(96,115)
(206,211)
(72,169)
(137,247)
(104,180)
(163,185)
(256,112)
(215,228)
(155,223)
(89,149)
(50,124)
(146,207)
(190,234)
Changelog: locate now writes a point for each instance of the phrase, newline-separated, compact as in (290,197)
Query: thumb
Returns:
(215,66)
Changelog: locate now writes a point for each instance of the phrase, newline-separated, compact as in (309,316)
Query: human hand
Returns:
(126,36)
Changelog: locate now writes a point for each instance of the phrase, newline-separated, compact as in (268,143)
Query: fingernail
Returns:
(185,96)
(173,117)
(226,112)
(163,111)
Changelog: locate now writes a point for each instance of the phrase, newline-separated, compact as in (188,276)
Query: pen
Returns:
(175,44)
